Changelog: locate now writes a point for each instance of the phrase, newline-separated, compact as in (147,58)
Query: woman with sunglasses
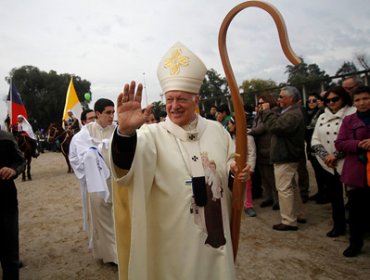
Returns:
(354,141)
(338,104)
(315,107)
(262,138)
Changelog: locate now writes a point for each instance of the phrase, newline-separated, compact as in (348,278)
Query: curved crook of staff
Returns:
(240,118)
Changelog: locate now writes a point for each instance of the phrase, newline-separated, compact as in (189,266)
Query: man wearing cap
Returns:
(171,201)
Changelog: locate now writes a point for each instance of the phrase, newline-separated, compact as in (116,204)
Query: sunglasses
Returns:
(334,99)
(311,100)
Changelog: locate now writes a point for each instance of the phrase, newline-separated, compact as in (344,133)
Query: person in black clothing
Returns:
(212,113)
(315,107)
(12,164)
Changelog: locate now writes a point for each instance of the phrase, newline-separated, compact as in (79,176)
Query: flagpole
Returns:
(146,94)
(11,104)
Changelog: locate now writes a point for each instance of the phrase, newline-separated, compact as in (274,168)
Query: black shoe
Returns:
(276,207)
(301,221)
(352,250)
(266,203)
(283,227)
(336,232)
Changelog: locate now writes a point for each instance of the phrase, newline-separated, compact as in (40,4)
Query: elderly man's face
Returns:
(180,106)
(349,85)
(285,100)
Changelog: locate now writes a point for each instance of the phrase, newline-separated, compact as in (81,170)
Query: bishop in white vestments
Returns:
(171,220)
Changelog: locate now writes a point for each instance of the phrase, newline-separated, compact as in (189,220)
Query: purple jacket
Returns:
(351,132)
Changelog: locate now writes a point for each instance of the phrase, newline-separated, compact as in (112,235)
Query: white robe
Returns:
(87,151)
(26,127)
(159,235)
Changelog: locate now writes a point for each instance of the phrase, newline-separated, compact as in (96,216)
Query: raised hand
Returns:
(130,116)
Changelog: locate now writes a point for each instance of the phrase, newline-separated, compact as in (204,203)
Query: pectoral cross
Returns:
(191,136)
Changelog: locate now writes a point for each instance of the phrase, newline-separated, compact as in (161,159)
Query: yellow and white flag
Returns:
(72,103)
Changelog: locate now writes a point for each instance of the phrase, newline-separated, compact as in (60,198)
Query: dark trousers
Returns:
(9,244)
(335,191)
(303,178)
(358,214)
(319,177)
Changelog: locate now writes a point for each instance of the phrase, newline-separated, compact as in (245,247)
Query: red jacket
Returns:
(351,132)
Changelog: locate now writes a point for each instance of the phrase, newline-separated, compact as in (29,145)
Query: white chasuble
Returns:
(161,232)
(100,205)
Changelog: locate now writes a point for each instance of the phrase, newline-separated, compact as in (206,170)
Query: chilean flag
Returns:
(17,106)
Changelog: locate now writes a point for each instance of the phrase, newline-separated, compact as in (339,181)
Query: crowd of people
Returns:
(286,133)
(153,188)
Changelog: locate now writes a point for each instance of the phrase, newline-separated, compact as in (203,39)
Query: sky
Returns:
(113,42)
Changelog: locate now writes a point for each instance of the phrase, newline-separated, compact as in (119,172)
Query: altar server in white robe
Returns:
(76,154)
(90,161)
(169,225)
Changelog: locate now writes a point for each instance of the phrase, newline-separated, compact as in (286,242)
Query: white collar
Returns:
(186,135)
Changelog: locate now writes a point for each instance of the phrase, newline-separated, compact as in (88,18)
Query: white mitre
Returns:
(181,69)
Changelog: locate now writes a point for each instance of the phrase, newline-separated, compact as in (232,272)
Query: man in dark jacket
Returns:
(12,164)
(287,148)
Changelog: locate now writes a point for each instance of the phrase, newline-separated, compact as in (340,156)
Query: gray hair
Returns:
(292,91)
(356,80)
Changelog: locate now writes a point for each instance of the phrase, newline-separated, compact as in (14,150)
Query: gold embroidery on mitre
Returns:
(176,61)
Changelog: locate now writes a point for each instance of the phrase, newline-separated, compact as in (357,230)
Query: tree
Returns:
(213,90)
(362,59)
(44,94)
(346,68)
(158,108)
(255,87)
(309,76)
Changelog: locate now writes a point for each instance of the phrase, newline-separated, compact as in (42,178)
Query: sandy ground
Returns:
(54,246)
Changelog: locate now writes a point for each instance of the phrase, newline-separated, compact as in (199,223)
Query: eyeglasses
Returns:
(334,99)
(260,103)
(311,100)
(281,97)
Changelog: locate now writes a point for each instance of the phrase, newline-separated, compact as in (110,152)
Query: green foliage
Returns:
(347,67)
(44,94)
(213,90)
(158,107)
(254,88)
(309,75)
